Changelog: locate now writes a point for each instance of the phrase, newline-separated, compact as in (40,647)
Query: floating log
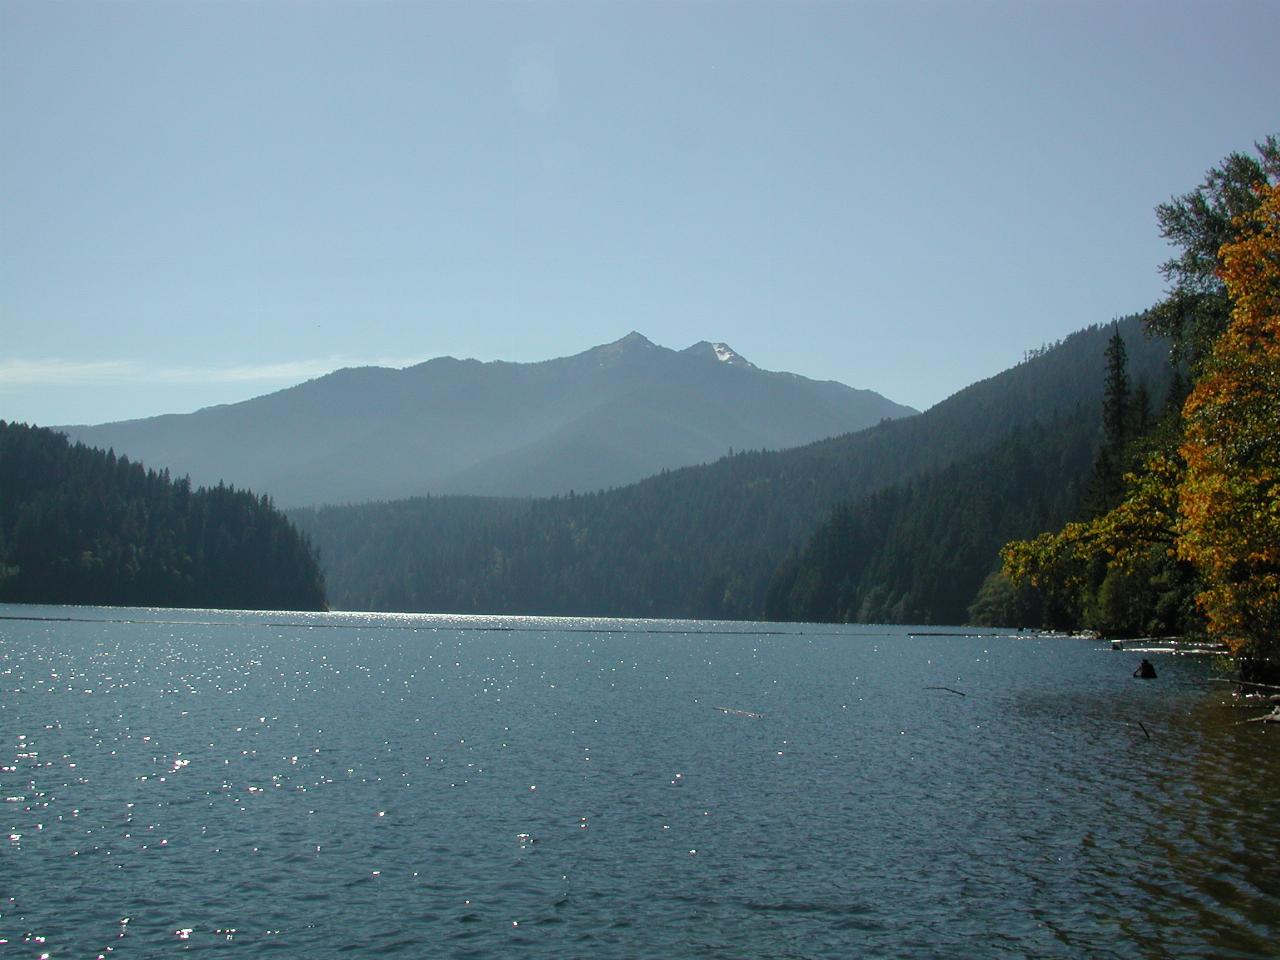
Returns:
(1246,683)
(738,713)
(1272,717)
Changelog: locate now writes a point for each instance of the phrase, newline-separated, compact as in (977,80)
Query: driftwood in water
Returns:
(1272,717)
(948,689)
(738,713)
(1246,683)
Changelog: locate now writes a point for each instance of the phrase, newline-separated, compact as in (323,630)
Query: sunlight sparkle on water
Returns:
(235,773)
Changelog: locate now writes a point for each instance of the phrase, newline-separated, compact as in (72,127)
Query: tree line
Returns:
(83,526)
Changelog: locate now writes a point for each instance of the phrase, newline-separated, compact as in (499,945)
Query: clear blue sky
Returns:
(205,201)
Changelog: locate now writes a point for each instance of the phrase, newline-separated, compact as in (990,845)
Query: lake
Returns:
(314,784)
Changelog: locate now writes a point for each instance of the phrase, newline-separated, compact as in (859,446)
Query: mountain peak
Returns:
(632,344)
(631,341)
(720,352)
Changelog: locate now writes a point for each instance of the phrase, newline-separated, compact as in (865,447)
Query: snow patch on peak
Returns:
(721,352)
(724,353)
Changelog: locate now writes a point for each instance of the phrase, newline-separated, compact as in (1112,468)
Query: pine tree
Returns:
(1109,467)
(1200,224)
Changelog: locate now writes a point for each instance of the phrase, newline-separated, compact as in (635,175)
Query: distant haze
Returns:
(605,417)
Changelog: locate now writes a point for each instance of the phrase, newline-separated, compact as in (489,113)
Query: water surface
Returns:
(303,784)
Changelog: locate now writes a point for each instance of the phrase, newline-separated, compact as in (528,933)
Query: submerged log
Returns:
(1272,717)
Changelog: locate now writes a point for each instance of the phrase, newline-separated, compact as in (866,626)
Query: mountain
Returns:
(82,526)
(706,541)
(605,417)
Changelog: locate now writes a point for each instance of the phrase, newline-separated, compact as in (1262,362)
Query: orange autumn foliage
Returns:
(1229,498)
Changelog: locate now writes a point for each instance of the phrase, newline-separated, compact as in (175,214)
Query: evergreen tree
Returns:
(1110,464)
(1200,223)
(1115,396)
(1140,416)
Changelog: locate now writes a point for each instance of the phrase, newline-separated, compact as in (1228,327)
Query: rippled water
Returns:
(426,786)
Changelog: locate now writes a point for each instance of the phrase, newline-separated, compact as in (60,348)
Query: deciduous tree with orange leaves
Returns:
(1205,502)
(1229,498)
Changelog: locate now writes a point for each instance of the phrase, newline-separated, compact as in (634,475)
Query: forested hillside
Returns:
(83,526)
(918,552)
(928,550)
(698,542)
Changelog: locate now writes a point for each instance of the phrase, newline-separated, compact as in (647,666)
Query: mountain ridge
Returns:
(603,417)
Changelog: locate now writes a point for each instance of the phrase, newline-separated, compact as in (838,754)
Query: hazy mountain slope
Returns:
(702,541)
(604,417)
(670,421)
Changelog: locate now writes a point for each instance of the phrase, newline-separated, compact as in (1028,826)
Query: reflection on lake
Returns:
(307,784)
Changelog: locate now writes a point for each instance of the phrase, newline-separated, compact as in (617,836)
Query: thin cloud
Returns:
(56,371)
